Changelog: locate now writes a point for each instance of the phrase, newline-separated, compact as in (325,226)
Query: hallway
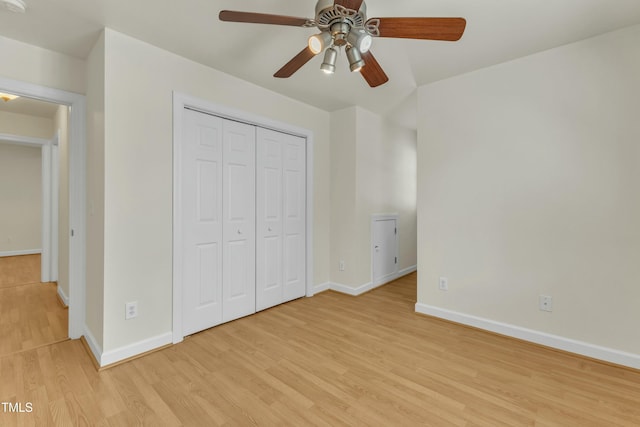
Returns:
(31,314)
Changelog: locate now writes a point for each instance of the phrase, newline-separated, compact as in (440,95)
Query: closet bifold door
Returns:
(239,220)
(280,223)
(201,222)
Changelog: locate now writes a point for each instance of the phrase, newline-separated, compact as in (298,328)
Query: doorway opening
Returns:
(34,285)
(74,105)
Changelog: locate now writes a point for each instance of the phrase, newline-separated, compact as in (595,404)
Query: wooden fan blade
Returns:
(261,18)
(446,29)
(295,64)
(372,71)
(349,4)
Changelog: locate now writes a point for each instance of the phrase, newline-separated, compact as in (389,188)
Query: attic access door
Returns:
(384,240)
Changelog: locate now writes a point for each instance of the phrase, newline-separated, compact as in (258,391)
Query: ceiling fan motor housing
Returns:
(327,14)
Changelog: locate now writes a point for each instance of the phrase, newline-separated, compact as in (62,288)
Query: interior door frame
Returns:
(383,217)
(77,190)
(182,101)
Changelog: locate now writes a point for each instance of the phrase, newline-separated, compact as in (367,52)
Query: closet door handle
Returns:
(239,231)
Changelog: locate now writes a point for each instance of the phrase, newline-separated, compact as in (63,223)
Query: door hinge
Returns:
(396,260)
(395,230)
(72,233)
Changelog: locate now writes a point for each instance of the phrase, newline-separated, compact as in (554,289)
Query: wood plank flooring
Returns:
(31,314)
(18,270)
(330,360)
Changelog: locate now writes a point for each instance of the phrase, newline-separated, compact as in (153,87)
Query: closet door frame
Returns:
(182,101)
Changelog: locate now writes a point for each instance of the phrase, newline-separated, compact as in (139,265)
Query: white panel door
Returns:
(201,182)
(294,191)
(239,216)
(385,250)
(281,201)
(269,233)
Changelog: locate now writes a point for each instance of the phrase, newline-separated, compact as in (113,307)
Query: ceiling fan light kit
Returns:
(329,63)
(344,24)
(355,59)
(360,40)
(318,42)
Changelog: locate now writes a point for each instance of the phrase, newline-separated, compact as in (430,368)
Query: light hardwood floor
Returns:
(18,270)
(330,360)
(31,314)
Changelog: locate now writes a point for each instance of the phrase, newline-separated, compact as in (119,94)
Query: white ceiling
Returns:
(497,31)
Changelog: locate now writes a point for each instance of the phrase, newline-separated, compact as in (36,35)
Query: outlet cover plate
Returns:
(131,310)
(546,303)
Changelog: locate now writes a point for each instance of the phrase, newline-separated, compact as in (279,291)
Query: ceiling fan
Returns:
(344,24)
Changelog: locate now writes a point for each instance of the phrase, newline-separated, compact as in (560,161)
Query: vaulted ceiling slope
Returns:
(497,31)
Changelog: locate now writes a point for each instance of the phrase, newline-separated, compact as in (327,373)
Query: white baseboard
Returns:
(21,252)
(349,290)
(93,344)
(63,297)
(359,290)
(561,343)
(135,349)
(406,271)
(321,287)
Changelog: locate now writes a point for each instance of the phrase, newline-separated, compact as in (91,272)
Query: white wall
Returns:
(343,197)
(21,183)
(95,193)
(25,125)
(373,164)
(528,177)
(139,80)
(20,198)
(387,181)
(28,63)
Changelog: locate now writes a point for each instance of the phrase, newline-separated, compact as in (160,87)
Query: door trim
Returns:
(383,217)
(77,190)
(182,101)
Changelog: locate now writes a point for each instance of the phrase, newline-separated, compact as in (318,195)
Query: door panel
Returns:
(269,205)
(292,255)
(201,170)
(239,258)
(272,259)
(294,170)
(207,199)
(239,286)
(280,244)
(385,250)
(208,278)
(273,194)
(237,202)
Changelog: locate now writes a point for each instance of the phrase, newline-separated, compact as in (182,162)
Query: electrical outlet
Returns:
(341,266)
(546,303)
(131,310)
(443,284)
